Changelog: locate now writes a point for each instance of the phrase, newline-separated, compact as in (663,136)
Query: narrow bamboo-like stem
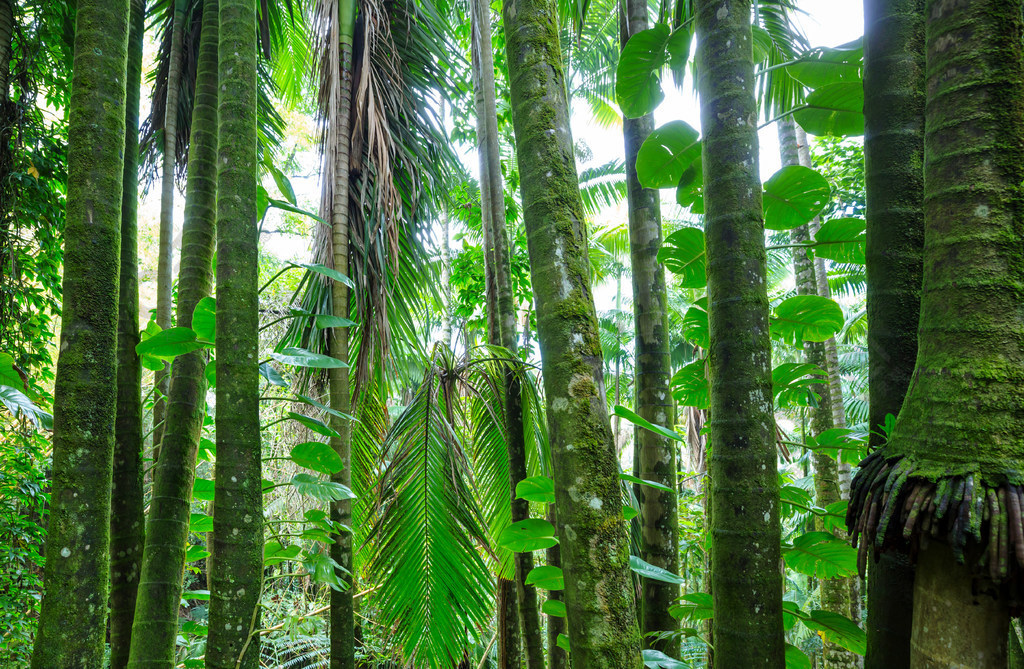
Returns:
(72,623)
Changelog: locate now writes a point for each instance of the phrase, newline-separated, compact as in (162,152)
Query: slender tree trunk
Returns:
(446,281)
(557,659)
(127,525)
(342,609)
(659,514)
(746,582)
(835,593)
(6,37)
(165,249)
(72,623)
(894,179)
(501,310)
(237,573)
(156,625)
(601,617)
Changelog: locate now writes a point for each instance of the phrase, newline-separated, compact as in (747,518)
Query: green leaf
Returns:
(793,196)
(325,491)
(275,553)
(318,457)
(326,271)
(562,641)
(204,319)
(806,318)
(9,376)
(323,321)
(300,357)
(655,659)
(695,327)
(842,240)
(536,489)
(793,495)
(272,376)
(19,404)
(790,613)
(170,343)
(287,206)
(283,183)
(667,155)
(654,573)
(637,84)
(838,629)
(323,407)
(201,595)
(203,490)
(694,606)
(683,254)
(836,109)
(824,66)
(639,481)
(553,607)
(313,424)
(200,522)
(528,535)
(690,386)
(196,553)
(796,658)
(629,513)
(546,577)
(792,384)
(822,555)
(210,372)
(639,421)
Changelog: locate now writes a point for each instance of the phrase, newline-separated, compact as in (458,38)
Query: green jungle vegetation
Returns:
(329,337)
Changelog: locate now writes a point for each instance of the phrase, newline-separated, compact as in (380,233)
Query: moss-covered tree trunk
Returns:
(73,620)
(501,310)
(156,625)
(127,523)
(557,658)
(835,592)
(237,569)
(951,470)
(746,581)
(6,37)
(656,455)
(894,181)
(342,609)
(165,248)
(594,547)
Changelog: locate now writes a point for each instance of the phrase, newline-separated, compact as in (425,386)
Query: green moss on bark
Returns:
(745,527)
(85,392)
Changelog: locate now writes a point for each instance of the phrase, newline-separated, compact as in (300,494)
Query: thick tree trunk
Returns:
(72,623)
(342,609)
(894,179)
(165,248)
(656,455)
(835,593)
(746,581)
(501,310)
(127,525)
(594,546)
(156,625)
(237,573)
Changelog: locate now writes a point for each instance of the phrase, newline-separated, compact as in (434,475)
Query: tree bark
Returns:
(594,546)
(6,37)
(156,626)
(659,514)
(237,573)
(894,180)
(72,623)
(557,659)
(746,582)
(127,525)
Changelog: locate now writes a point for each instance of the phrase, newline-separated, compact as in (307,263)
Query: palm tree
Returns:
(236,573)
(894,180)
(127,526)
(746,582)
(85,391)
(950,469)
(593,542)
(160,584)
(655,454)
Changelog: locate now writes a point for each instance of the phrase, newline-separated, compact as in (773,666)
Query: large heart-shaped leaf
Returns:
(690,386)
(553,607)
(796,658)
(793,196)
(203,490)
(546,577)
(532,534)
(838,629)
(695,328)
(667,154)
(170,343)
(300,357)
(317,456)
(841,240)
(792,384)
(325,491)
(199,523)
(648,570)
(272,376)
(694,606)
(204,319)
(536,489)
(836,109)
(637,84)
(821,555)
(683,254)
(806,318)
(824,66)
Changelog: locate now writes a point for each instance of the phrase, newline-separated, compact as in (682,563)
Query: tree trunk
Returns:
(6,37)
(127,525)
(156,625)
(557,659)
(746,582)
(594,546)
(659,515)
(165,249)
(835,592)
(237,572)
(894,180)
(342,609)
(501,309)
(72,623)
